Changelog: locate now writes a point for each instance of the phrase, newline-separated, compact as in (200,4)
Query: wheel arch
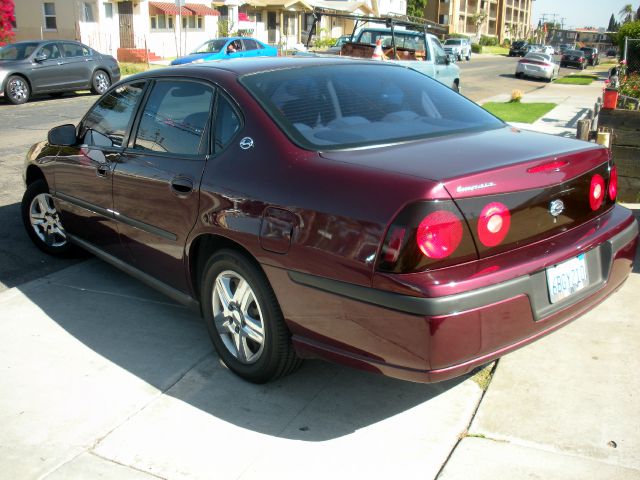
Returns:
(17,74)
(203,247)
(33,174)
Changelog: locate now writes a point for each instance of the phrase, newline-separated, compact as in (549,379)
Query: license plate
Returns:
(567,278)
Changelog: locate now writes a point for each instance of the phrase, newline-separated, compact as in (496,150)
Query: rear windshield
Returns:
(212,46)
(453,41)
(345,106)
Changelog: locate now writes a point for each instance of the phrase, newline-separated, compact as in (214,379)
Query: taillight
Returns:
(439,234)
(596,192)
(613,183)
(581,59)
(493,224)
(427,235)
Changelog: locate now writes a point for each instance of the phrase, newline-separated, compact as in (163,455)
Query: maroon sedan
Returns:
(352,210)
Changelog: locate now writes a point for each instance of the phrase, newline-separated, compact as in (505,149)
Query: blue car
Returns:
(228,47)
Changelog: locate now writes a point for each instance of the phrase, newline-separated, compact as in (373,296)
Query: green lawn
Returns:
(519,112)
(496,50)
(577,79)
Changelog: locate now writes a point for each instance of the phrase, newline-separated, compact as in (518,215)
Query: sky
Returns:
(580,13)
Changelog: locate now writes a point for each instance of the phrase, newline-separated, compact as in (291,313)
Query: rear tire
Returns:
(100,82)
(244,319)
(17,90)
(42,221)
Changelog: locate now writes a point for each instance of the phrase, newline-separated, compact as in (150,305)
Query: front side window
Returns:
(175,118)
(322,107)
(50,16)
(51,51)
(107,122)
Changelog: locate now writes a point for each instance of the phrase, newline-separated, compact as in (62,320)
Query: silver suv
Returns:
(458,47)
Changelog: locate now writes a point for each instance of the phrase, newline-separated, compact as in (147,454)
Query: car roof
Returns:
(249,65)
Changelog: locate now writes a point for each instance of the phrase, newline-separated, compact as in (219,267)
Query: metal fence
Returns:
(631,54)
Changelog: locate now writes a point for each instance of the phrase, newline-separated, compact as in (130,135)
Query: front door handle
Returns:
(182,185)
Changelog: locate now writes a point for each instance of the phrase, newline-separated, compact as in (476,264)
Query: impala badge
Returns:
(556,208)
(246,143)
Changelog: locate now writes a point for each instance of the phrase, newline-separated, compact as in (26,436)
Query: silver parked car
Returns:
(538,65)
(458,47)
(53,67)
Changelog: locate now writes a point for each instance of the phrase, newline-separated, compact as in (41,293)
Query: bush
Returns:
(475,48)
(458,35)
(629,29)
(506,43)
(516,96)
(488,41)
(630,85)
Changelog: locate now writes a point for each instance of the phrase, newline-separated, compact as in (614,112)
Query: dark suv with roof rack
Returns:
(591,55)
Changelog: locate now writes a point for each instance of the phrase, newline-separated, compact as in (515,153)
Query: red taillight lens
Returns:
(427,235)
(493,224)
(596,192)
(439,234)
(554,165)
(613,183)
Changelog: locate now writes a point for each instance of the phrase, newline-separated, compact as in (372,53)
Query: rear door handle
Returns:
(182,185)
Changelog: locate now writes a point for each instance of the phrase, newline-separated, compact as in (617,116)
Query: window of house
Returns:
(175,118)
(192,22)
(50,16)
(107,122)
(87,12)
(108,10)
(161,22)
(289,23)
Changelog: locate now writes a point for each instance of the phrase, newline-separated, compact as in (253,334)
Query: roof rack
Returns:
(391,21)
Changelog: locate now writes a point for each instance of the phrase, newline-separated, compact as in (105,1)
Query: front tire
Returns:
(100,82)
(42,221)
(17,90)
(244,319)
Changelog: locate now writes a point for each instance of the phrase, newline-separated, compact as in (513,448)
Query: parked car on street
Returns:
(548,49)
(519,48)
(591,54)
(458,47)
(574,58)
(537,65)
(53,67)
(564,47)
(386,223)
(227,47)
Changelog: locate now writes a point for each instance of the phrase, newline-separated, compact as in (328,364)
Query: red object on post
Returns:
(610,98)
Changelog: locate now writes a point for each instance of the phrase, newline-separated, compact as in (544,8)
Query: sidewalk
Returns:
(573,103)
(103,377)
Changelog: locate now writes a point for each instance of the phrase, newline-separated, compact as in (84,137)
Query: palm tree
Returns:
(626,13)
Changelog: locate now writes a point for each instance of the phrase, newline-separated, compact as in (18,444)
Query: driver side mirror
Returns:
(451,59)
(41,57)
(64,135)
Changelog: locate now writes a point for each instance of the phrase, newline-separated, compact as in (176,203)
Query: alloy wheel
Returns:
(18,90)
(45,221)
(238,317)
(101,82)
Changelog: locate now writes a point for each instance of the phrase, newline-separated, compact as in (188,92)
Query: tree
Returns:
(638,14)
(415,8)
(613,25)
(478,19)
(626,13)
(6,21)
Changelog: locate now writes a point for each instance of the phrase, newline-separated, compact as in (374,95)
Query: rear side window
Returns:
(227,124)
(175,118)
(107,122)
(251,44)
(74,50)
(322,107)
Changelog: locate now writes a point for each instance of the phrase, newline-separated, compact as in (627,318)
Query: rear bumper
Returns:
(428,339)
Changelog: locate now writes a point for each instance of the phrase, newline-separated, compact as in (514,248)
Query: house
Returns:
(140,30)
(581,37)
(130,30)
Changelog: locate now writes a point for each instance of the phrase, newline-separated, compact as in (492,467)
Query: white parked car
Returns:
(538,65)
(458,47)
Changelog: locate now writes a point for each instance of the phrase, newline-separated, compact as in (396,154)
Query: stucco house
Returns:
(139,30)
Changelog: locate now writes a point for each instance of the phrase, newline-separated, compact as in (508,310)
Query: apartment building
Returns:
(503,18)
